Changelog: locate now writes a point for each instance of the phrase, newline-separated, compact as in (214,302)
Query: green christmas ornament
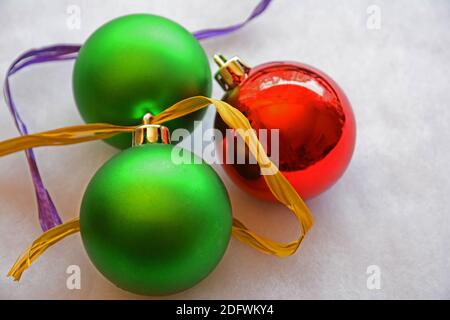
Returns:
(152,225)
(139,64)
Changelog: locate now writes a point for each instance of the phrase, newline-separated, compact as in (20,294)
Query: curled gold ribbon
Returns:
(41,244)
(278,184)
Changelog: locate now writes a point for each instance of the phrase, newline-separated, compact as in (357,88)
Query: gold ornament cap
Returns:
(231,72)
(150,133)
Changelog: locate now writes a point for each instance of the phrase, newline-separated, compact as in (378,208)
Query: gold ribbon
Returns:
(278,184)
(41,244)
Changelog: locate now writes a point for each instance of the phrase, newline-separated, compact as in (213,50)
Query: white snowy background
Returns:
(390,209)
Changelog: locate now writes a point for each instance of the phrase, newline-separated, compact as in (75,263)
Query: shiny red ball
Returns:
(315,121)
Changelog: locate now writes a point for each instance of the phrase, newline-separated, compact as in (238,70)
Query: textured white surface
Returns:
(390,209)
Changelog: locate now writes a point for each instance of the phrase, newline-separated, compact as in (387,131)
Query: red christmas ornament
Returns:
(314,117)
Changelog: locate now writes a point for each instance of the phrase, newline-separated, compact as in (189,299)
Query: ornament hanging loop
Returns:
(231,72)
(150,133)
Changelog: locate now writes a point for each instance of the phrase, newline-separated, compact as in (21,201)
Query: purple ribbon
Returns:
(211,33)
(48,215)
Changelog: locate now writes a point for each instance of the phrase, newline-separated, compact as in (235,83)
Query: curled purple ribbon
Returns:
(48,214)
(211,33)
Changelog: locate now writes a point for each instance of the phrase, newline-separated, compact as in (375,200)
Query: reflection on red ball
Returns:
(315,121)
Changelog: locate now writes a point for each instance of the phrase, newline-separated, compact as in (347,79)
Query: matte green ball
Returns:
(137,64)
(152,226)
